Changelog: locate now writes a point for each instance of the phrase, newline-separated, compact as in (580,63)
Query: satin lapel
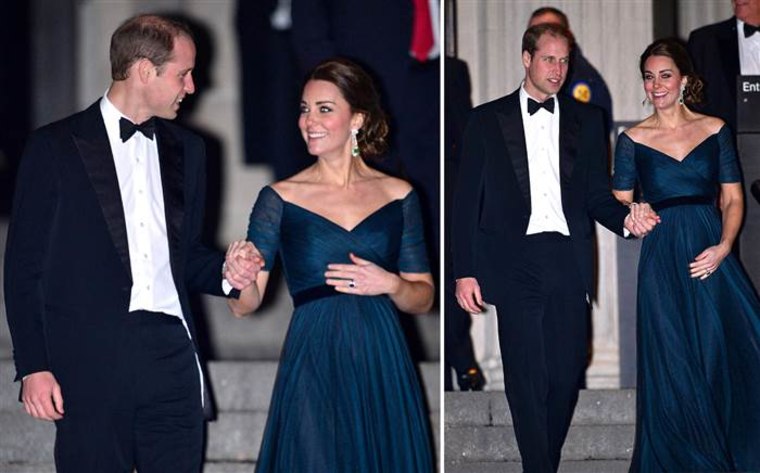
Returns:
(511,126)
(728,43)
(170,156)
(569,127)
(95,150)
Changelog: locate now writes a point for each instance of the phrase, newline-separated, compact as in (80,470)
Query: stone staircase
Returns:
(479,438)
(242,391)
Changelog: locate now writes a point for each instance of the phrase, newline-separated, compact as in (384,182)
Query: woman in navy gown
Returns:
(698,392)
(347,397)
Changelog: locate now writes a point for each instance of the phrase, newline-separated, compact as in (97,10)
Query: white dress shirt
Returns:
(749,51)
(542,145)
(142,195)
(139,173)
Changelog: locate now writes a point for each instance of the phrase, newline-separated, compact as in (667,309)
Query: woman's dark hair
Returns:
(358,89)
(144,37)
(675,50)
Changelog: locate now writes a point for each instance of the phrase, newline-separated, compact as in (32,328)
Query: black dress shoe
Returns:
(755,189)
(472,380)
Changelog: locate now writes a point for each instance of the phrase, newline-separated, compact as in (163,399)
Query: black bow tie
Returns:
(534,106)
(127,128)
(749,30)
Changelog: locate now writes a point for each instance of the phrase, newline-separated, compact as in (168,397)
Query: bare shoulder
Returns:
(394,187)
(711,125)
(640,131)
(292,187)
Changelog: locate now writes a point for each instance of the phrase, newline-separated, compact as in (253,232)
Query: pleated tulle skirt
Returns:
(698,394)
(347,396)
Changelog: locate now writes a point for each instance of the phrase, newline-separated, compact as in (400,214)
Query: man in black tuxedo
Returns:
(103,249)
(724,50)
(532,180)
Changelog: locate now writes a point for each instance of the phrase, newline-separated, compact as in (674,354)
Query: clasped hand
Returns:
(242,264)
(641,219)
(362,278)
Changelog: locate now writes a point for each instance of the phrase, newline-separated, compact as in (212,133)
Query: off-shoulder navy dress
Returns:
(347,397)
(698,391)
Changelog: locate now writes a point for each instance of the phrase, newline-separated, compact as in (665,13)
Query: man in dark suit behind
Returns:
(724,50)
(532,180)
(103,249)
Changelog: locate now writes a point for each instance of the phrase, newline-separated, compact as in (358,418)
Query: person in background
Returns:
(584,83)
(723,51)
(458,351)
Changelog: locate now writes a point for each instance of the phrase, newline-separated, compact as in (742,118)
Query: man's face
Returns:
(747,10)
(546,70)
(172,81)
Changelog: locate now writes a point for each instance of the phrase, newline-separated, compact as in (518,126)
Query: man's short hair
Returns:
(148,37)
(531,36)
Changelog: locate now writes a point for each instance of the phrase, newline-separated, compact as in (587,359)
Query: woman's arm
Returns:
(250,297)
(414,292)
(732,207)
(244,258)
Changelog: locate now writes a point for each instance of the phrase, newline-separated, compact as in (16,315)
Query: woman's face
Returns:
(662,81)
(326,119)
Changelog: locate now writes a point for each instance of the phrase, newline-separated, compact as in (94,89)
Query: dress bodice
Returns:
(391,237)
(663,177)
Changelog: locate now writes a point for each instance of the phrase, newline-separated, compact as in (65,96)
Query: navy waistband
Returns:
(313,293)
(685,200)
(547,236)
(146,317)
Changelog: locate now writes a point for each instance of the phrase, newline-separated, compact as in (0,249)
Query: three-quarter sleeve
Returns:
(729,165)
(264,225)
(413,254)
(624,177)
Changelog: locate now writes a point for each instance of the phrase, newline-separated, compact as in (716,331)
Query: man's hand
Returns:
(641,219)
(242,264)
(42,397)
(468,295)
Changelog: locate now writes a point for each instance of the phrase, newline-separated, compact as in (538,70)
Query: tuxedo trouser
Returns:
(147,413)
(543,333)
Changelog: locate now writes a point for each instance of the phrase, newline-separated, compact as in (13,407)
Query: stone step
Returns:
(497,444)
(236,385)
(583,466)
(242,391)
(478,431)
(208,467)
(595,406)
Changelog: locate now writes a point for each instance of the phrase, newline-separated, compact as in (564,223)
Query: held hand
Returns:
(362,278)
(708,261)
(641,219)
(242,264)
(469,296)
(42,397)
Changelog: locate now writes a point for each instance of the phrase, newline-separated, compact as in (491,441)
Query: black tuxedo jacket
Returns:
(715,52)
(492,204)
(67,269)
